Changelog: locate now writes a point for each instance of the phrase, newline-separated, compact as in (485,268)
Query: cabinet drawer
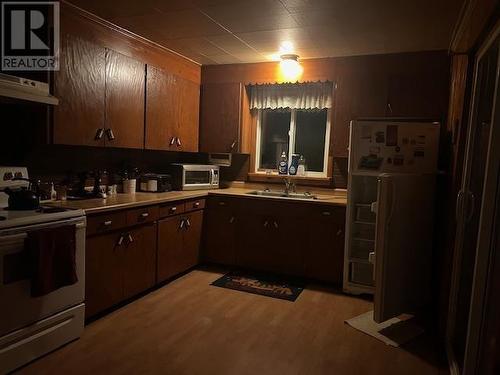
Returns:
(197,204)
(142,215)
(337,214)
(220,202)
(171,209)
(106,222)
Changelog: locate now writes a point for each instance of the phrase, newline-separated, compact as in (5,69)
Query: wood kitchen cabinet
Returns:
(324,257)
(120,263)
(80,86)
(172,112)
(139,260)
(124,101)
(103,273)
(294,238)
(220,231)
(179,239)
(220,117)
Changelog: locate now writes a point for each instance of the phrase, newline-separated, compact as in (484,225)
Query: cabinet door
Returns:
(79,85)
(191,240)
(188,104)
(124,100)
(170,233)
(219,235)
(253,241)
(139,260)
(324,257)
(103,272)
(220,117)
(161,110)
(285,244)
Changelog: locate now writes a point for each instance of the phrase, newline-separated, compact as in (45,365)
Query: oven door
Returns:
(19,309)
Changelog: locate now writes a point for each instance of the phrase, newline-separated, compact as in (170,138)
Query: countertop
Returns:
(122,201)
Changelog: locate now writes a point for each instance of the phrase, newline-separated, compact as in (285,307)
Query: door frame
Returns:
(485,231)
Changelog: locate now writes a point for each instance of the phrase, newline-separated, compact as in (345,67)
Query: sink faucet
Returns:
(289,186)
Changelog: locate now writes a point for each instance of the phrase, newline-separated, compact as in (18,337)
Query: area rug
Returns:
(394,332)
(263,285)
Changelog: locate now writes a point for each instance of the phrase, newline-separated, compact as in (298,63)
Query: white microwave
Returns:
(195,176)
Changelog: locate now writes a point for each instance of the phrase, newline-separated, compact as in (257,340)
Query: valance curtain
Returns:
(308,95)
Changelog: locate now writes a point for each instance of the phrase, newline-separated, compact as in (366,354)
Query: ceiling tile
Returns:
(225,59)
(231,44)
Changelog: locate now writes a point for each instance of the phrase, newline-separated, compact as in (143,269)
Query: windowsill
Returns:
(301,180)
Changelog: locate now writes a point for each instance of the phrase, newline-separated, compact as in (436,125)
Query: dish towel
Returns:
(51,254)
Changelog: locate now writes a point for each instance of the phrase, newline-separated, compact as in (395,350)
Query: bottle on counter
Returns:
(53,193)
(301,169)
(292,170)
(283,164)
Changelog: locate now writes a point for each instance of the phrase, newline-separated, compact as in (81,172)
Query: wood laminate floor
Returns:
(189,327)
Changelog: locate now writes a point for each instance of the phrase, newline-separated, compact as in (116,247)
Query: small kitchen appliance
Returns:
(195,177)
(155,183)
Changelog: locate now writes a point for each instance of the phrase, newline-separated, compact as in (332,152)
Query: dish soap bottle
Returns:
(292,170)
(283,164)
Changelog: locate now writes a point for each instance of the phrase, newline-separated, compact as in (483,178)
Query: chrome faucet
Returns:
(289,186)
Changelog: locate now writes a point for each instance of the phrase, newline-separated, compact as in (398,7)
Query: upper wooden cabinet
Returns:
(172,108)
(80,86)
(124,101)
(220,117)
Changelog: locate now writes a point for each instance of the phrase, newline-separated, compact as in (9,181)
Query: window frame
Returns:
(291,144)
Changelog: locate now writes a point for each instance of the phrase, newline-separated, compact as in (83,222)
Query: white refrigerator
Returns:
(390,209)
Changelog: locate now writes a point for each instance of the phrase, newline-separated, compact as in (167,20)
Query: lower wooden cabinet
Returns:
(324,251)
(179,240)
(139,260)
(220,231)
(300,239)
(118,266)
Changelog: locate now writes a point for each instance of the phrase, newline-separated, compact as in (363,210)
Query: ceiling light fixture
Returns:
(291,69)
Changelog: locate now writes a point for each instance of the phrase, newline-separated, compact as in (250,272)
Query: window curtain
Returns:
(309,95)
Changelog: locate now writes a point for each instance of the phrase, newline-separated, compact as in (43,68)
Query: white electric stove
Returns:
(33,326)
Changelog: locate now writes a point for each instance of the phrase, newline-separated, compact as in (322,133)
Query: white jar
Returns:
(129,186)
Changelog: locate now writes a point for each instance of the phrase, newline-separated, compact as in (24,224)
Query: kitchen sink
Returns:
(281,194)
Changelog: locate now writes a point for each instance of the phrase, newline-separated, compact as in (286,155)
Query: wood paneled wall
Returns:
(416,83)
(78,22)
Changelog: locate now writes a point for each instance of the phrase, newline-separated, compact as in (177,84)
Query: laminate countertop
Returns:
(123,201)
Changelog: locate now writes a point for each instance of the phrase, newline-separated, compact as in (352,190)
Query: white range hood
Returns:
(26,89)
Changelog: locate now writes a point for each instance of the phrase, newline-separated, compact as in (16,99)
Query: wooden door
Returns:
(139,260)
(161,110)
(124,101)
(103,272)
(170,233)
(220,117)
(220,235)
(191,240)
(188,104)
(324,254)
(79,85)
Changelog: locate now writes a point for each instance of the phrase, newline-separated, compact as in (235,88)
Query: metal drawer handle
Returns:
(181,224)
(120,240)
(326,213)
(173,209)
(110,134)
(266,223)
(231,220)
(172,141)
(339,232)
(178,141)
(130,238)
(222,203)
(107,223)
(144,215)
(188,223)
(276,225)
(196,204)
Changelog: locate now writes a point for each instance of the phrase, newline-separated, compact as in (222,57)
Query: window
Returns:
(294,131)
